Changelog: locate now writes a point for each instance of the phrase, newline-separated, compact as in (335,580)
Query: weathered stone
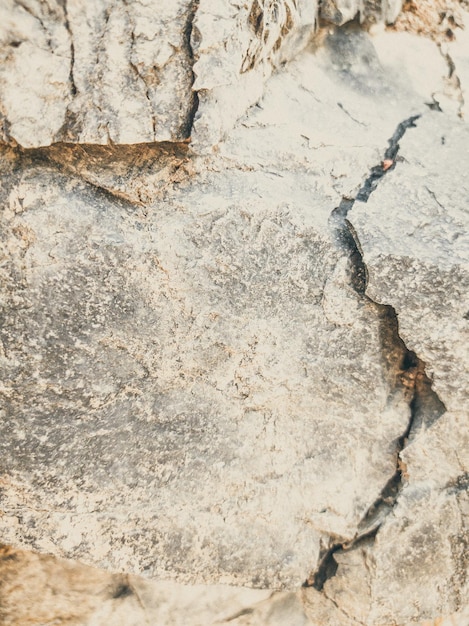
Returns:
(232,63)
(419,554)
(439,20)
(160,365)
(341,11)
(101,72)
(123,73)
(456,52)
(176,372)
(38,589)
(96,72)
(196,385)
(413,233)
(138,174)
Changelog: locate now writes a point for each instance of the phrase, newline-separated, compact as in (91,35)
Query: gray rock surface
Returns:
(95,72)
(123,73)
(202,374)
(235,48)
(200,354)
(417,250)
(412,235)
(185,369)
(419,553)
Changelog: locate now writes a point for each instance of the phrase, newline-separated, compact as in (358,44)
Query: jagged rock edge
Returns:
(453,79)
(347,239)
(190,51)
(43,157)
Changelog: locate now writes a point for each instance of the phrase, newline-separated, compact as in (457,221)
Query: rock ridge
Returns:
(128,73)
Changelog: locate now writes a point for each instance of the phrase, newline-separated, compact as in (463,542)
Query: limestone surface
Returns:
(417,250)
(174,374)
(245,367)
(127,72)
(177,370)
(95,72)
(412,232)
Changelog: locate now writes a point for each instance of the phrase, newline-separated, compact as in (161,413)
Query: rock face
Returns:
(38,589)
(417,253)
(96,72)
(243,366)
(123,73)
(197,357)
(413,234)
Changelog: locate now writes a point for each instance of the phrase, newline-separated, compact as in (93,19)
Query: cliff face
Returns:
(233,337)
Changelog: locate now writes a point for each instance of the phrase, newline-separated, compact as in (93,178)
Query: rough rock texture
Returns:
(339,12)
(439,20)
(96,72)
(197,356)
(38,589)
(456,52)
(446,22)
(413,237)
(417,253)
(235,47)
(237,368)
(123,72)
(416,566)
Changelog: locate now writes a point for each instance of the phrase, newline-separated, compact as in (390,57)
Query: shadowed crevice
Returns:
(188,34)
(406,371)
(121,591)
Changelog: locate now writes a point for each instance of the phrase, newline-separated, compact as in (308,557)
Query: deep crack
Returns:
(410,379)
(188,35)
(343,230)
(327,568)
(388,163)
(71,78)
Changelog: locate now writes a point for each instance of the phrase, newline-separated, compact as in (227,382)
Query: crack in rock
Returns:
(139,74)
(190,53)
(344,233)
(73,87)
(425,405)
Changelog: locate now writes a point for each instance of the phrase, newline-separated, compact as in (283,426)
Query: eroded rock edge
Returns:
(424,403)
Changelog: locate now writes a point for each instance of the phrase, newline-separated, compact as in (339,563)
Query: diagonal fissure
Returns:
(343,230)
(410,378)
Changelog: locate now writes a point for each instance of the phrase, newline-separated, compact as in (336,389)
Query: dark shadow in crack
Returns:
(405,371)
(327,569)
(189,35)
